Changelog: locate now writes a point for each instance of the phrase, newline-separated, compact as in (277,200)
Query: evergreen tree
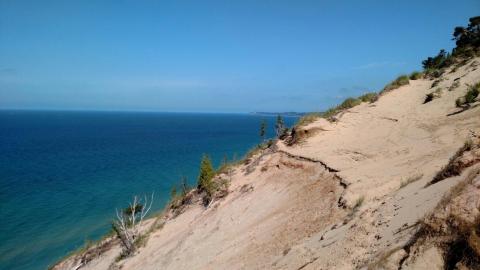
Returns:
(206,174)
(263,127)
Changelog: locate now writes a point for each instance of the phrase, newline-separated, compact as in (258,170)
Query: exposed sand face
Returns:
(295,213)
(253,225)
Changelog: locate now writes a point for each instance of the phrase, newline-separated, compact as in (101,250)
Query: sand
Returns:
(340,199)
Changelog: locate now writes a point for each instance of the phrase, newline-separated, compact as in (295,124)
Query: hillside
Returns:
(353,193)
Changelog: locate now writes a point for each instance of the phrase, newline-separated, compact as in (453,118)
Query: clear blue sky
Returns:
(213,56)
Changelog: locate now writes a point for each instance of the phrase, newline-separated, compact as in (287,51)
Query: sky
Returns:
(214,56)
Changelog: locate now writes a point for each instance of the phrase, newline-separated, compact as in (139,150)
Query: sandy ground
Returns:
(295,209)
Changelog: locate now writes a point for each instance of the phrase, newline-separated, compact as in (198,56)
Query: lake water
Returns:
(62,174)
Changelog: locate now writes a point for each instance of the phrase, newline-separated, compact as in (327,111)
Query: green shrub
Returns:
(205,177)
(416,75)
(472,93)
(440,61)
(399,81)
(369,97)
(433,73)
(470,97)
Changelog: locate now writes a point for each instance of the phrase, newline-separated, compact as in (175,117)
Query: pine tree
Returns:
(205,176)
(263,127)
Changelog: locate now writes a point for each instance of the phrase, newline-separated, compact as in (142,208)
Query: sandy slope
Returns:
(292,209)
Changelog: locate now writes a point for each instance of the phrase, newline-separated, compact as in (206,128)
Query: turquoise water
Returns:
(62,174)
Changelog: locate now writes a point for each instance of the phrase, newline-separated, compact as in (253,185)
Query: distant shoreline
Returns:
(284,114)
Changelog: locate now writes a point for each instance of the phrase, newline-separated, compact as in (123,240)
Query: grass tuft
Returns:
(416,75)
(470,96)
(398,82)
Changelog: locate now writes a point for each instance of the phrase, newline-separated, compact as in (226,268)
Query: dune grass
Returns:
(398,82)
(416,75)
(328,114)
(470,97)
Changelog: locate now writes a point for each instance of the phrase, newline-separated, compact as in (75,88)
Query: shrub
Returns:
(441,60)
(128,223)
(470,96)
(433,73)
(399,81)
(205,177)
(416,75)
(472,93)
(369,97)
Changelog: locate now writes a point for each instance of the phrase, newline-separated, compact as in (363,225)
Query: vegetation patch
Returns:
(369,97)
(416,75)
(467,41)
(330,113)
(455,230)
(456,165)
(470,97)
(398,82)
(308,118)
(433,95)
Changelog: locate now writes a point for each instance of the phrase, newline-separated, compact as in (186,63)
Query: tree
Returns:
(280,128)
(206,175)
(436,62)
(129,221)
(263,127)
(470,35)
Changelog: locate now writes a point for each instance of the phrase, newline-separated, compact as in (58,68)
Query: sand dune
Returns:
(350,194)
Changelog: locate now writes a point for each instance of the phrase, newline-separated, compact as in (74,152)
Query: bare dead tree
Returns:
(129,222)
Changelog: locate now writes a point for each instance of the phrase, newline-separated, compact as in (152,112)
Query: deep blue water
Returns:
(62,174)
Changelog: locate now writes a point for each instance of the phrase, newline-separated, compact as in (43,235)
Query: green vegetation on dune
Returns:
(330,113)
(467,41)
(369,97)
(399,81)
(470,97)
(416,75)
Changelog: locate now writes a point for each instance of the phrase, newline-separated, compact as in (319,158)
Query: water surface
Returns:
(62,174)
